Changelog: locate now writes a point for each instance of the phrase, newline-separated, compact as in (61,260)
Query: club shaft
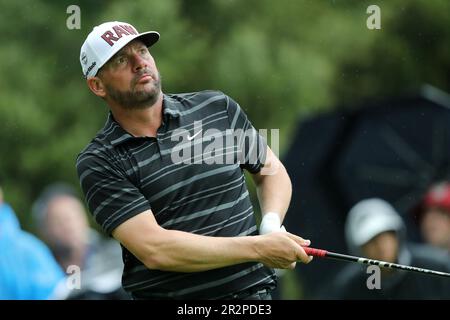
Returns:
(338,256)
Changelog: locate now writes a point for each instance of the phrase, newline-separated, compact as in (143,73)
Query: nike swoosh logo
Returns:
(192,137)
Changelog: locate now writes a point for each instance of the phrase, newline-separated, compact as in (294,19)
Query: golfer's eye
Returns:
(120,60)
(144,51)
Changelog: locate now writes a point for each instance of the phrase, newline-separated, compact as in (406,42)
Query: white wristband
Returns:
(270,223)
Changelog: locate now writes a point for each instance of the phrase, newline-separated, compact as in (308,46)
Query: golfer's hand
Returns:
(281,250)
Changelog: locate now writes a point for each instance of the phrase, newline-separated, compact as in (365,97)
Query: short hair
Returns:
(40,205)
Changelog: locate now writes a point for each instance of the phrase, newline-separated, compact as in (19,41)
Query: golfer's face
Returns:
(131,69)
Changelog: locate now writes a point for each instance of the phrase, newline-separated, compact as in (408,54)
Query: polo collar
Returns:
(171,107)
(115,134)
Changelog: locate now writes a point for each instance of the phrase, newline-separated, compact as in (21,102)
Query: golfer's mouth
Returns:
(144,78)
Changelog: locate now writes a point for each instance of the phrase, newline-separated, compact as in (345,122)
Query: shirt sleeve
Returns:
(252,147)
(111,197)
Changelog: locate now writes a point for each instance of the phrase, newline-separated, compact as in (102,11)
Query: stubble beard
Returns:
(136,99)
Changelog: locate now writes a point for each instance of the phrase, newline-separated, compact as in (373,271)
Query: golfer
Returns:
(162,178)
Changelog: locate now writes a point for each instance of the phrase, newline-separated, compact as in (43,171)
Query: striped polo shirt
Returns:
(191,176)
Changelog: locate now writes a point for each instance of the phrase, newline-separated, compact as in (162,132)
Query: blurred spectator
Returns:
(27,268)
(62,223)
(376,231)
(434,216)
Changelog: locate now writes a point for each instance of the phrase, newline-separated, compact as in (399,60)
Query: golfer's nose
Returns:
(139,62)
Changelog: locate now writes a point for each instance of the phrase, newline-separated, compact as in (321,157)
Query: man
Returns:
(376,231)
(186,226)
(62,223)
(434,216)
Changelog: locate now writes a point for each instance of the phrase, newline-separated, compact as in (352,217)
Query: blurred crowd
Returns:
(34,267)
(375,230)
(69,260)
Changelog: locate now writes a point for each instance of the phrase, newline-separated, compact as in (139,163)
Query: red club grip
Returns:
(315,252)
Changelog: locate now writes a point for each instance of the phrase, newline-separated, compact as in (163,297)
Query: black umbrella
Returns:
(316,211)
(393,149)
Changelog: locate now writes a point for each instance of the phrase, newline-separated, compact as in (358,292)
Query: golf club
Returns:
(337,256)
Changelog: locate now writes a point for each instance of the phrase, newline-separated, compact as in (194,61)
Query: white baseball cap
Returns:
(106,40)
(368,218)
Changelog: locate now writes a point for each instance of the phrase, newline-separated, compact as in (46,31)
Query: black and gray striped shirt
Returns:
(184,175)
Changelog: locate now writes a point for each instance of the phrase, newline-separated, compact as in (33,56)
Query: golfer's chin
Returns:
(149,95)
(148,87)
(144,88)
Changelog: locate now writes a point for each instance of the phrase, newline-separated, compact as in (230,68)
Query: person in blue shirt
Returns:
(28,270)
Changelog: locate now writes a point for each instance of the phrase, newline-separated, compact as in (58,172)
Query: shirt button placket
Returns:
(160,143)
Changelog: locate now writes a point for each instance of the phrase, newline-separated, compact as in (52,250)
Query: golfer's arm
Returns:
(173,250)
(274,190)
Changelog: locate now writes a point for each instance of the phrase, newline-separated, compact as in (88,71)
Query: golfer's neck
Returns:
(140,122)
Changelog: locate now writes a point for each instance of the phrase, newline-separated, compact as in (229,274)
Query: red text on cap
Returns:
(119,30)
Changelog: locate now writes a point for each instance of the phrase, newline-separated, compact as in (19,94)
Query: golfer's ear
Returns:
(97,87)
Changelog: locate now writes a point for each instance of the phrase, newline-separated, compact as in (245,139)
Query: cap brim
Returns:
(149,38)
